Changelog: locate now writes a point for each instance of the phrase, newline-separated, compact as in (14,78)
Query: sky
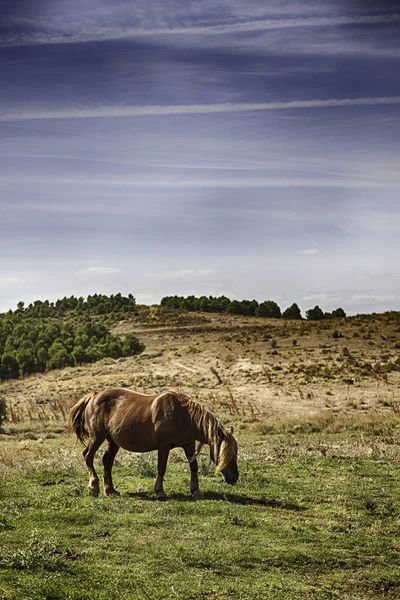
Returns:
(161,147)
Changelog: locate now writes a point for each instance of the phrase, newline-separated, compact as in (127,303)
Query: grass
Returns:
(314,515)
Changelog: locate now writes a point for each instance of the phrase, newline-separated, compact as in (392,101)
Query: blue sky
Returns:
(248,149)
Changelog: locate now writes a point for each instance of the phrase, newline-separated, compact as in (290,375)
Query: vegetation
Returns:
(315,514)
(98,304)
(222,304)
(317,314)
(311,517)
(292,312)
(48,336)
(268,309)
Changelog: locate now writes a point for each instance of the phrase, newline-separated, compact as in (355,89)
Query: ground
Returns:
(316,513)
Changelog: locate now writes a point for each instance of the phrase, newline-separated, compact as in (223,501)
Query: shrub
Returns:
(336,334)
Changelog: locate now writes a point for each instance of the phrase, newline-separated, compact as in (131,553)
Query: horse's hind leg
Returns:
(108,461)
(88,454)
(194,468)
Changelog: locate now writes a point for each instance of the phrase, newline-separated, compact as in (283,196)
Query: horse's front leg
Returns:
(163,453)
(190,450)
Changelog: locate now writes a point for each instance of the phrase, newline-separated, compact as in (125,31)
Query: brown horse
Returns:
(141,423)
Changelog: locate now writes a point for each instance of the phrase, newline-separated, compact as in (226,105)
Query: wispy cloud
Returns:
(182,273)
(372,297)
(191,109)
(98,271)
(100,34)
(5,281)
(180,183)
(308,252)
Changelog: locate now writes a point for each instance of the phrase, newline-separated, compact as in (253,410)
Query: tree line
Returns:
(32,343)
(268,308)
(97,304)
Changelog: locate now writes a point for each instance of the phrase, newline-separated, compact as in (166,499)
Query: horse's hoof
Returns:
(111,492)
(161,497)
(196,495)
(94,492)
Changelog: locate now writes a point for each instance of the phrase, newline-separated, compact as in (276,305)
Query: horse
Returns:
(143,423)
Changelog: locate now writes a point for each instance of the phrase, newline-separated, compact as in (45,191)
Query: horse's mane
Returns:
(221,441)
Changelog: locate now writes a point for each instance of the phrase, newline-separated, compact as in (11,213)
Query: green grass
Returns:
(313,516)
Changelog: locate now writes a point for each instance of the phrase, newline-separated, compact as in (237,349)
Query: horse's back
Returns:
(140,422)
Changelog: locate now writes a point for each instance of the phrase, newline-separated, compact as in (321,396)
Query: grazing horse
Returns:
(142,423)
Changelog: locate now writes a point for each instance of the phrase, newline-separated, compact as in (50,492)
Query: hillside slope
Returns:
(244,367)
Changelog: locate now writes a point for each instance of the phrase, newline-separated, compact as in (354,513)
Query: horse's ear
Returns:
(232,430)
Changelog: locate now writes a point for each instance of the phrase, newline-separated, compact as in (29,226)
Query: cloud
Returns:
(9,280)
(104,34)
(190,109)
(182,273)
(317,297)
(175,183)
(308,252)
(372,297)
(98,271)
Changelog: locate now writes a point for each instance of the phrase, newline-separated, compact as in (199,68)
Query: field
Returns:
(316,513)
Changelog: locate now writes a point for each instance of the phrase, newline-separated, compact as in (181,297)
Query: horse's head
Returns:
(227,462)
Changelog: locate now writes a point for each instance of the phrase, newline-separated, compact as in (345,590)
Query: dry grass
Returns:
(241,368)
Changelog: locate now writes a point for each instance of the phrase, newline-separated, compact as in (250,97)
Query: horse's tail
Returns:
(77,417)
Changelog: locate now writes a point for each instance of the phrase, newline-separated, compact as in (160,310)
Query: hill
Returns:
(242,366)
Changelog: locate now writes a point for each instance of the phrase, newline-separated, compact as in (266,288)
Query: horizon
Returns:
(28,305)
(213,149)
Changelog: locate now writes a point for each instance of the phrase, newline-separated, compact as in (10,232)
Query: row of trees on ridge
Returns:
(268,308)
(97,304)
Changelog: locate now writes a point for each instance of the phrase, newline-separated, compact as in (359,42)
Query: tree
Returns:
(315,314)
(205,304)
(190,303)
(131,345)
(41,358)
(338,313)
(221,303)
(26,360)
(249,307)
(268,309)
(114,348)
(10,367)
(79,355)
(293,312)
(59,359)
(234,308)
